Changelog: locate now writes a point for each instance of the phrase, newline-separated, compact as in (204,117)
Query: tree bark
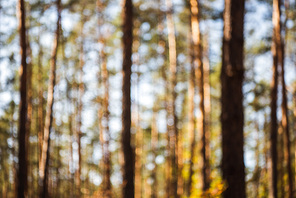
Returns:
(281,172)
(232,116)
(139,181)
(199,73)
(294,113)
(79,113)
(40,103)
(285,119)
(128,188)
(207,115)
(22,174)
(191,117)
(172,117)
(154,149)
(105,133)
(274,89)
(44,161)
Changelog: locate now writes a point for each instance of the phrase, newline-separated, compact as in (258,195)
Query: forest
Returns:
(148,99)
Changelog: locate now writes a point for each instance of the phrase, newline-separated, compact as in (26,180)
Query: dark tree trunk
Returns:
(128,153)
(294,127)
(281,171)
(232,116)
(274,89)
(22,174)
(44,161)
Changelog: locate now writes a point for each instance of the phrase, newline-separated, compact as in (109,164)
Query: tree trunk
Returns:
(71,161)
(285,119)
(44,161)
(154,148)
(162,44)
(232,115)
(128,153)
(281,170)
(274,89)
(40,103)
(172,117)
(79,113)
(207,115)
(294,113)
(105,139)
(23,134)
(199,73)
(257,169)
(29,109)
(139,181)
(191,117)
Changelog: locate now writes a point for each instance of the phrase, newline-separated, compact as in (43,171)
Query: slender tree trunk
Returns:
(199,73)
(294,113)
(79,113)
(154,148)
(139,181)
(274,128)
(71,163)
(281,170)
(105,132)
(23,134)
(40,103)
(191,117)
(29,110)
(162,44)
(43,169)
(13,153)
(285,117)
(105,139)
(257,169)
(128,189)
(266,144)
(274,89)
(232,116)
(207,115)
(172,119)
(285,121)
(58,165)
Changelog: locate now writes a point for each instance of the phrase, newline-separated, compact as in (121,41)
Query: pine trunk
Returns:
(105,130)
(232,115)
(207,115)
(172,126)
(191,117)
(294,113)
(274,89)
(40,103)
(285,119)
(30,109)
(154,148)
(128,189)
(281,180)
(22,174)
(44,161)
(79,113)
